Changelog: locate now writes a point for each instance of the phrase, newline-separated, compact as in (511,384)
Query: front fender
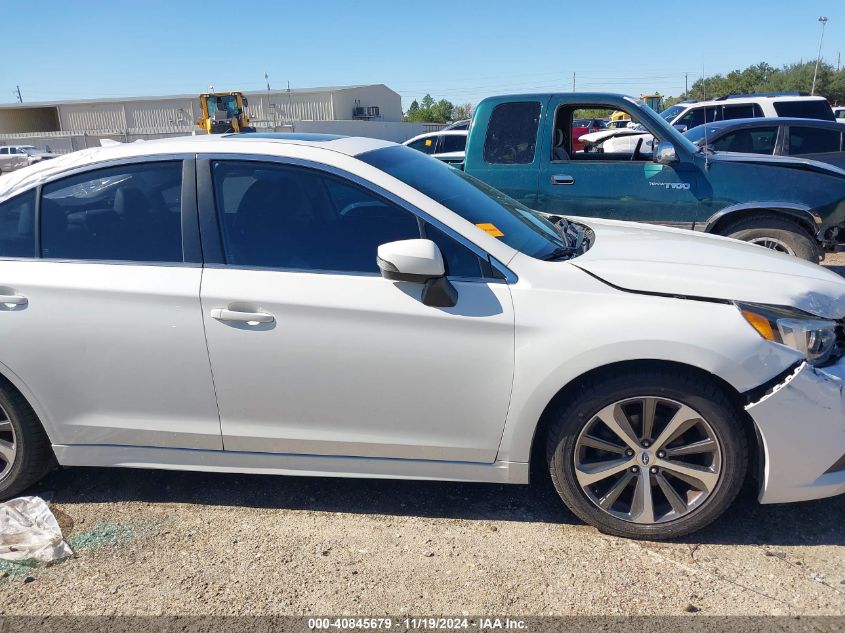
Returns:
(593,331)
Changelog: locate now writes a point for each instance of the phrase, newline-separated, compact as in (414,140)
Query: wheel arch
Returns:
(538,440)
(799,213)
(11,380)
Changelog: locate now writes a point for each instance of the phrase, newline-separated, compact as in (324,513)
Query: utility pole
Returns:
(823,20)
(18,91)
(838,60)
(269,105)
(573,81)
(686,83)
(290,106)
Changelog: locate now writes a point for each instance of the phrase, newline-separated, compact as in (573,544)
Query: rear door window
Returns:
(757,140)
(512,133)
(813,140)
(127,213)
(741,111)
(453,143)
(17,226)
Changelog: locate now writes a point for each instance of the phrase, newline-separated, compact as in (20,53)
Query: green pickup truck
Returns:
(523,146)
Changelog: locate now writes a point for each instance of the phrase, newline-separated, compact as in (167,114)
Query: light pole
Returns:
(823,20)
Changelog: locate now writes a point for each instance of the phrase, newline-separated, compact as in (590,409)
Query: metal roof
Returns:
(248,93)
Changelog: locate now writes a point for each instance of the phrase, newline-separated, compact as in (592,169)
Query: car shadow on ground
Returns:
(745,523)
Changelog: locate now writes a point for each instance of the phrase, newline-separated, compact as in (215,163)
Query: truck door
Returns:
(619,181)
(505,154)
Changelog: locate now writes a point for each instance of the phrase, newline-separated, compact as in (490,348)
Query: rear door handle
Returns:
(563,179)
(14,300)
(223,314)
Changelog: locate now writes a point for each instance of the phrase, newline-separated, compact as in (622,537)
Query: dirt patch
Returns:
(209,544)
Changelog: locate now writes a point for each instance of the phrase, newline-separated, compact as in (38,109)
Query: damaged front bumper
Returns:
(801,423)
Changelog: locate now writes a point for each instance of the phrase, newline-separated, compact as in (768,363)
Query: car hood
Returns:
(661,260)
(595,137)
(792,162)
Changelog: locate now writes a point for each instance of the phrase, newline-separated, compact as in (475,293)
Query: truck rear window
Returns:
(512,133)
(805,109)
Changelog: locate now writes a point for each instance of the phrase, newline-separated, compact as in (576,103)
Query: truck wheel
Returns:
(779,234)
(649,454)
(25,454)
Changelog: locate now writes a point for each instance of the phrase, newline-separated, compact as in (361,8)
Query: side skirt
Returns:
(285,464)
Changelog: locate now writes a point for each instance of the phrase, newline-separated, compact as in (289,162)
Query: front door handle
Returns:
(223,314)
(13,300)
(563,179)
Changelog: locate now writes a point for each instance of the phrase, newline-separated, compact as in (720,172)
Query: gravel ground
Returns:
(835,261)
(151,542)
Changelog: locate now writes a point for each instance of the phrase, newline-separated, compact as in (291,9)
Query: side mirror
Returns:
(680,127)
(665,154)
(246,102)
(418,261)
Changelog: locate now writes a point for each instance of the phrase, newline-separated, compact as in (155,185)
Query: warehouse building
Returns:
(62,126)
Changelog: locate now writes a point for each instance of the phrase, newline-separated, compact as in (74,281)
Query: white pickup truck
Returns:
(14,157)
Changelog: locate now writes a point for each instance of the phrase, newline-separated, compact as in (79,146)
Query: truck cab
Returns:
(524,145)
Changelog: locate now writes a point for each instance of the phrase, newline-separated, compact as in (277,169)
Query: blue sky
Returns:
(461,51)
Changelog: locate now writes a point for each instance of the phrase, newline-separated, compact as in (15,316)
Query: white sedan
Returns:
(448,145)
(319,305)
(619,140)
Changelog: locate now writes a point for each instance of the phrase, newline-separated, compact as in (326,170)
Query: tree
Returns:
(762,77)
(442,111)
(430,111)
(427,102)
(463,111)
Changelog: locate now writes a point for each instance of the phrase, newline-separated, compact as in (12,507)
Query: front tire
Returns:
(25,453)
(779,234)
(647,455)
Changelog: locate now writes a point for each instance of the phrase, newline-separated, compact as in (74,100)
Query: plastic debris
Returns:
(29,531)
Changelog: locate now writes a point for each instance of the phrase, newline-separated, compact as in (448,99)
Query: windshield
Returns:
(671,112)
(489,209)
(696,134)
(227,104)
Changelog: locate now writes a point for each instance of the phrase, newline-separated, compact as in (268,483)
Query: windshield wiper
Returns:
(562,252)
(561,227)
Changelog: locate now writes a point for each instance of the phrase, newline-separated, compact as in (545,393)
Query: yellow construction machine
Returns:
(224,112)
(653,101)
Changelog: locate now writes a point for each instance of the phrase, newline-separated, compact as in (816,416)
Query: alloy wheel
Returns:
(8,444)
(648,460)
(772,243)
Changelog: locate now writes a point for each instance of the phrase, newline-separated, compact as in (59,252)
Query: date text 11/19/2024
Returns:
(413,623)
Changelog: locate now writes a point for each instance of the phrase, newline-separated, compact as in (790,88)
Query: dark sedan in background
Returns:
(805,138)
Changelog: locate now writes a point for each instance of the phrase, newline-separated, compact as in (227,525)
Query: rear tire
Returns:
(644,474)
(25,453)
(780,234)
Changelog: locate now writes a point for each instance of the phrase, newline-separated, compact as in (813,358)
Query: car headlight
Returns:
(811,335)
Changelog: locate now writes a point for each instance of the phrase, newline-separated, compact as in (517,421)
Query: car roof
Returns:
(436,133)
(741,99)
(246,144)
(766,121)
